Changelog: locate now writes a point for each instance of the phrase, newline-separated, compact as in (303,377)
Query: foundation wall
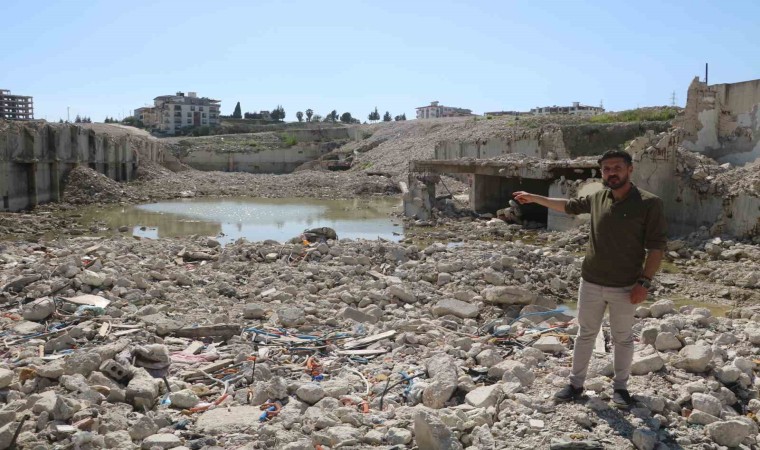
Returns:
(277,160)
(561,141)
(35,158)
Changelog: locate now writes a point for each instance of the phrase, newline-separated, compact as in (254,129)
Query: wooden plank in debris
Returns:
(93,249)
(389,279)
(126,326)
(367,340)
(194,347)
(209,368)
(223,330)
(104,328)
(126,332)
(362,352)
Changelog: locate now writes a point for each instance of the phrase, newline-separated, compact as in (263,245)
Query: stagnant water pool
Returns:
(255,219)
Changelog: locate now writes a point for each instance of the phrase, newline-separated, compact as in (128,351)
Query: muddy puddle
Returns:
(255,219)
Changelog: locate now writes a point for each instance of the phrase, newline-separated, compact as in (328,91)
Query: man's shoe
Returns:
(568,393)
(622,399)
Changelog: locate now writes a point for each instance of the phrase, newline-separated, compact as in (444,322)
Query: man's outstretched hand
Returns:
(523,197)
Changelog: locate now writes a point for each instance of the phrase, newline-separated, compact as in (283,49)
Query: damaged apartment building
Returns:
(705,166)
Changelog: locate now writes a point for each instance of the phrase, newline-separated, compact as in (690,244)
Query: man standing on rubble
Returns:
(626,244)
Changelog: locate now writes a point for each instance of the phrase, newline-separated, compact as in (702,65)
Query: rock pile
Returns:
(183,343)
(85,185)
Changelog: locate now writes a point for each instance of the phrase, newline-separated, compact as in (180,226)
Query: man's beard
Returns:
(615,182)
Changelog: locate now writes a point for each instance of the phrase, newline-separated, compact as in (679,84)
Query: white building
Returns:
(434,110)
(173,112)
(576,109)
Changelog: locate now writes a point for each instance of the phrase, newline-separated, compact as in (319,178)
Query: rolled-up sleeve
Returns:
(656,237)
(580,205)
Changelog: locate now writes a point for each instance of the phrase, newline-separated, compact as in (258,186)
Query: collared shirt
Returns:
(621,232)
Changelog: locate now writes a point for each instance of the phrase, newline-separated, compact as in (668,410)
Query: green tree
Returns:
(78,119)
(278,114)
(387,117)
(237,114)
(399,118)
(346,118)
(316,118)
(309,113)
(332,117)
(299,116)
(374,115)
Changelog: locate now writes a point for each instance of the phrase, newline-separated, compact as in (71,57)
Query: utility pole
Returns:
(68,117)
(673,99)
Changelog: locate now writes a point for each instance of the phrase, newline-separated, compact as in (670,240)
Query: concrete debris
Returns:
(469,363)
(190,344)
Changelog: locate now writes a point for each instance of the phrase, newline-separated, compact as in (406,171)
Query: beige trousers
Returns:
(593,300)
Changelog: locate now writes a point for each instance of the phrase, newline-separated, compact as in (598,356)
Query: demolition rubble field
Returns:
(121,343)
(454,338)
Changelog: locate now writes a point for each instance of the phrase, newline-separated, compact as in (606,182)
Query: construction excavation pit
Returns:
(243,293)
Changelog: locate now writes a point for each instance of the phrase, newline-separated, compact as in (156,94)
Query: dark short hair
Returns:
(616,154)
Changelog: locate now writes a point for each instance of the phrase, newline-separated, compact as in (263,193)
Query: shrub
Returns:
(636,115)
(290,140)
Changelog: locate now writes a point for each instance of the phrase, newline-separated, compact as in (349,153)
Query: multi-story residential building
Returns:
(15,107)
(173,112)
(434,110)
(577,109)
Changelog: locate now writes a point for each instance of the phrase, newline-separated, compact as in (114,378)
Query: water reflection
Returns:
(255,219)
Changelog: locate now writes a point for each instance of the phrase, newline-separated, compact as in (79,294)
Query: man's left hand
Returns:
(638,294)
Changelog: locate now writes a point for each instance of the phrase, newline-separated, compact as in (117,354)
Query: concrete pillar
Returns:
(484,189)
(55,181)
(32,174)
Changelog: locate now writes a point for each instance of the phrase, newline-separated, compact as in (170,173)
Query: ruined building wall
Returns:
(595,139)
(35,158)
(550,141)
(722,121)
(695,194)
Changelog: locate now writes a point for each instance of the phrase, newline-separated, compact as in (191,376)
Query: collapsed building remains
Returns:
(35,158)
(697,191)
(722,121)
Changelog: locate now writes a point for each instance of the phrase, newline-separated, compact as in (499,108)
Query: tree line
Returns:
(278,115)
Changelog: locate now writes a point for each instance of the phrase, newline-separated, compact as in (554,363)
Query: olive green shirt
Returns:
(621,232)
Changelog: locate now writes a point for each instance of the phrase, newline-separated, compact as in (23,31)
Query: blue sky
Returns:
(105,58)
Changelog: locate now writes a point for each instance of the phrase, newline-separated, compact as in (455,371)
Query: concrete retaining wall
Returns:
(567,141)
(275,160)
(35,158)
(595,139)
(318,135)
